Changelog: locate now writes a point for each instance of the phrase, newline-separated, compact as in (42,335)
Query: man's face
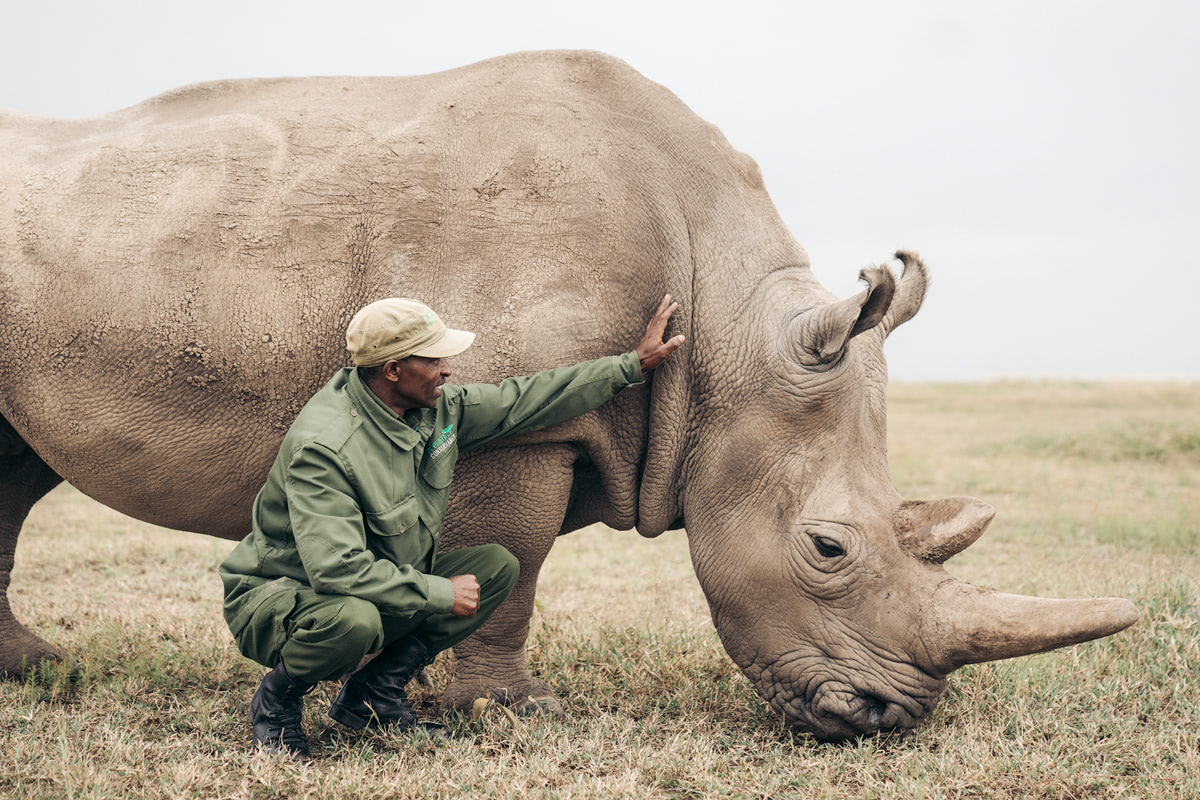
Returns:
(418,380)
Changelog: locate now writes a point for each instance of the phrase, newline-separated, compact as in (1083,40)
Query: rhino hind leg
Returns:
(518,497)
(24,479)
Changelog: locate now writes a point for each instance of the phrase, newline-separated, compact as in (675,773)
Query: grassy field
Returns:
(1098,491)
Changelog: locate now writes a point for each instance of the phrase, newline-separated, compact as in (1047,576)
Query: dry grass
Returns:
(1098,487)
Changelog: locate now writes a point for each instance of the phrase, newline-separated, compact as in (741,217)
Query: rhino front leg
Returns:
(517,497)
(24,479)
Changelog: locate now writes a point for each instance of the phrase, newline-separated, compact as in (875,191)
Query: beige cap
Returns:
(399,327)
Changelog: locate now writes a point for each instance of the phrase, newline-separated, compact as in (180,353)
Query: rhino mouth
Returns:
(834,709)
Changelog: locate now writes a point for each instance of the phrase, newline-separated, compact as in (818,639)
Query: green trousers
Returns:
(323,636)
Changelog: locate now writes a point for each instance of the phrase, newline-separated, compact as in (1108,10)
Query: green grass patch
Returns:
(1177,531)
(1144,442)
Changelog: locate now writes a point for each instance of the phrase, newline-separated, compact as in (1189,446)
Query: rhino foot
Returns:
(22,652)
(528,697)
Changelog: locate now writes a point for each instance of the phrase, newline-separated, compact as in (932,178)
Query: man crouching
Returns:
(342,561)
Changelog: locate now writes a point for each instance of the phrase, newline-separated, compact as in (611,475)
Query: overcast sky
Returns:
(1041,156)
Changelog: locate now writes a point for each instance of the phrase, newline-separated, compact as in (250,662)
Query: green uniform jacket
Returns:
(354,502)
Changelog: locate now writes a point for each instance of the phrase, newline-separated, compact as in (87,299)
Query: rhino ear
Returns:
(936,530)
(910,292)
(819,336)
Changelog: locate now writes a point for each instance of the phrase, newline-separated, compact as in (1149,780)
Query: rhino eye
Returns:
(828,547)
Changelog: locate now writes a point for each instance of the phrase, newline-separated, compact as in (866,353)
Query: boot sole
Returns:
(352,720)
(346,717)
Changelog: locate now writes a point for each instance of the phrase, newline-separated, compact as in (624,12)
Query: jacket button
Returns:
(354,412)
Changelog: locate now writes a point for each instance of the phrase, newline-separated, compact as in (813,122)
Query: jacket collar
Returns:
(365,402)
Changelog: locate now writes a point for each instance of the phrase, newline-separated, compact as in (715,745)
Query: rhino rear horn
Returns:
(819,335)
(939,529)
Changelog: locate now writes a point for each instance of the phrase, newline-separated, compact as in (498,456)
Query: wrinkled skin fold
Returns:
(176,277)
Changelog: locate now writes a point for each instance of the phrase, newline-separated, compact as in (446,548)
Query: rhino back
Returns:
(176,277)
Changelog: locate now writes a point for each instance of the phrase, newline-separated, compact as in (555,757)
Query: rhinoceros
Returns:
(176,278)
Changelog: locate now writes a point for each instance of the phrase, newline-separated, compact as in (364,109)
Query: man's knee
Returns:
(507,567)
(357,627)
(329,638)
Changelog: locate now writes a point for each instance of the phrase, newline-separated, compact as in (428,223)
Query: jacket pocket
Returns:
(438,470)
(399,519)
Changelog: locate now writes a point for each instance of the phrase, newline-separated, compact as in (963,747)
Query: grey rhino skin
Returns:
(176,277)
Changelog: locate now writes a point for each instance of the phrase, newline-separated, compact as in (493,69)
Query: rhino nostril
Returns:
(874,707)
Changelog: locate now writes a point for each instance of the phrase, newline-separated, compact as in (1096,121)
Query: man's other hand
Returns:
(466,595)
(652,350)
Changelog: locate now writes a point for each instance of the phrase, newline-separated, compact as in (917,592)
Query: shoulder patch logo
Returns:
(443,442)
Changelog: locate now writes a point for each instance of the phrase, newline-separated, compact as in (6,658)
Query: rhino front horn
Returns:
(970,625)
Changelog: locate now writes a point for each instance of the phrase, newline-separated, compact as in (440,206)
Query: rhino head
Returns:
(825,585)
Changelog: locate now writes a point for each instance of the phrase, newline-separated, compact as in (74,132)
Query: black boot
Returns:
(374,696)
(275,714)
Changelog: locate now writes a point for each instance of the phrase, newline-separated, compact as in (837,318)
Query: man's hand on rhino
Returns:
(652,350)
(466,595)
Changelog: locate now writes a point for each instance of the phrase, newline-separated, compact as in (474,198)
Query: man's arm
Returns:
(518,405)
(327,524)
